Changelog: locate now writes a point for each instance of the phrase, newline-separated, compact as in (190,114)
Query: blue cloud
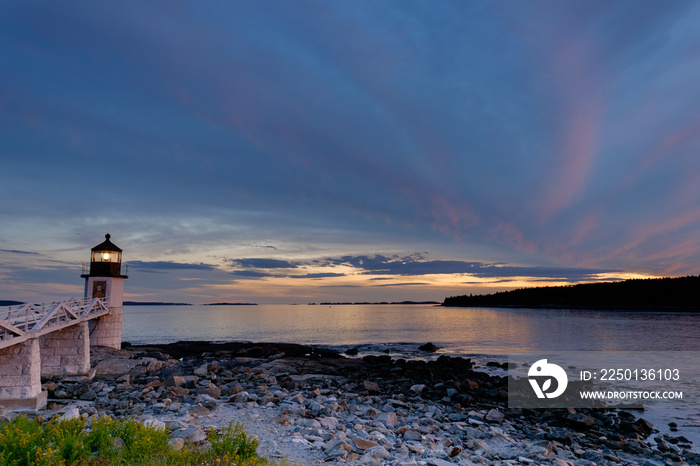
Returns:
(160,266)
(263,263)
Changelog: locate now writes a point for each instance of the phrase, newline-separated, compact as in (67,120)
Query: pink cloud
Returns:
(661,228)
(670,143)
(512,235)
(452,219)
(579,86)
(583,229)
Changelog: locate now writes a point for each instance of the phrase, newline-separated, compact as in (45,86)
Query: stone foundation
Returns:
(108,329)
(20,376)
(65,351)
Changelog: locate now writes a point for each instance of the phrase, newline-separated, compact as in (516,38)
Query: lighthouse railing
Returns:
(18,323)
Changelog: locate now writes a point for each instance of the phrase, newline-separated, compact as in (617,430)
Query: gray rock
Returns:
(375,454)
(89,395)
(388,419)
(115,367)
(364,444)
(413,435)
(438,462)
(189,434)
(154,423)
(176,443)
(418,388)
(329,422)
(202,370)
(70,412)
(312,423)
(429,347)
(580,420)
(175,381)
(494,416)
(371,387)
(154,366)
(559,434)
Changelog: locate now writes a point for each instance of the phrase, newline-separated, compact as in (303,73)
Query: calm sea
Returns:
(484,333)
(487,331)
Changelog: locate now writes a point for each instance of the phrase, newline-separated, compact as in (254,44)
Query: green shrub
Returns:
(115,442)
(233,443)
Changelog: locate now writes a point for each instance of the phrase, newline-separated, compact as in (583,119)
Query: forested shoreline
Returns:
(651,293)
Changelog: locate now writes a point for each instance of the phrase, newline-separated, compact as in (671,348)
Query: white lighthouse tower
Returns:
(106,281)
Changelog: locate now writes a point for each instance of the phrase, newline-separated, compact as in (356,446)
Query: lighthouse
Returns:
(106,281)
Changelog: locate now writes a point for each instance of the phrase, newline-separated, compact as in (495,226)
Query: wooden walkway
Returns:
(19,323)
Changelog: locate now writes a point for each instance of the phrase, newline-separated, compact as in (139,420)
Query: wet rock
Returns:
(559,434)
(580,420)
(643,426)
(429,348)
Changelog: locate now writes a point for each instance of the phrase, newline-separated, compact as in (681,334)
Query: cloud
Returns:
(251,274)
(401,284)
(318,275)
(415,266)
(163,266)
(14,251)
(263,263)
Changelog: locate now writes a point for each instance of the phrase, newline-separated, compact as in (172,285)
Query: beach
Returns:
(310,405)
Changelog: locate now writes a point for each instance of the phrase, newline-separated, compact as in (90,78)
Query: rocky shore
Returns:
(314,406)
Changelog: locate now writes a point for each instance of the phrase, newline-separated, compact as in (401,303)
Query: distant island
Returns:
(153,303)
(231,304)
(680,293)
(158,303)
(383,302)
(8,302)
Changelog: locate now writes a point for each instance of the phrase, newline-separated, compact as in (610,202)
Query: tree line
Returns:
(657,293)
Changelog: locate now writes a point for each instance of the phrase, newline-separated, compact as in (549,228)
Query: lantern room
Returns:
(106,259)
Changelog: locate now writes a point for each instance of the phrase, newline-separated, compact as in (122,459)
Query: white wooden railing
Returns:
(18,323)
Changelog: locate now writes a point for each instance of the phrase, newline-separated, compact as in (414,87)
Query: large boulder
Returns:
(114,367)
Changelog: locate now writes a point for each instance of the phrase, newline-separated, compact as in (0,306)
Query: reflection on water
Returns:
(457,330)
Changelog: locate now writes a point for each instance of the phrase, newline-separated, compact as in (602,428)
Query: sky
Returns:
(314,151)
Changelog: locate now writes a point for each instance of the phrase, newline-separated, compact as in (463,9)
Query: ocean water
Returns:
(489,331)
(482,333)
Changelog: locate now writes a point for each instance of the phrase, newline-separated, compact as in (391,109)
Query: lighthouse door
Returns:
(99,289)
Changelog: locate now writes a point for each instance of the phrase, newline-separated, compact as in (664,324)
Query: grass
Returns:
(116,442)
